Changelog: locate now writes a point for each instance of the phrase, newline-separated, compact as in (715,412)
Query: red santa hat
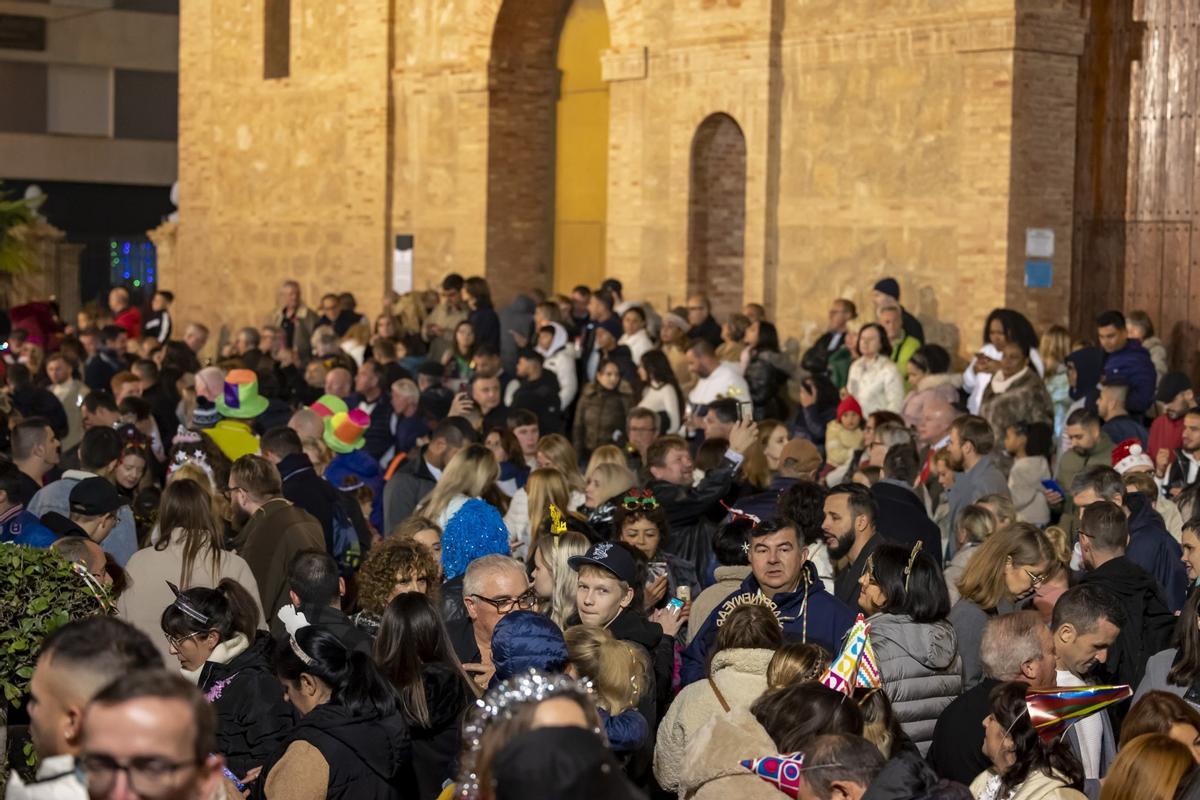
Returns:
(1130,454)
(849,404)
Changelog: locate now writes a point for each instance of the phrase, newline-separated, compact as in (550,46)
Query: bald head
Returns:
(936,418)
(338,382)
(307,423)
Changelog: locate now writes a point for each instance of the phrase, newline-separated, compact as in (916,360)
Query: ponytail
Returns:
(353,680)
(228,609)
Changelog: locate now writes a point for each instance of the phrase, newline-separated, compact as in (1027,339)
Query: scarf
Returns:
(1001,384)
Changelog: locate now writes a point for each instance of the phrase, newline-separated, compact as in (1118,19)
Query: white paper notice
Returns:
(1039,242)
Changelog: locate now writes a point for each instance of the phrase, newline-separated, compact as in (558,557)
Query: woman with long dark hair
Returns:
(1003,325)
(213,633)
(661,393)
(414,653)
(1177,670)
(352,740)
(483,318)
(1023,766)
(767,371)
(903,592)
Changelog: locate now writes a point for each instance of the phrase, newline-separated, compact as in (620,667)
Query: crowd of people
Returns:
(581,546)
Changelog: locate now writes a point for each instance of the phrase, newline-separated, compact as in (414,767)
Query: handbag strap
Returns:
(720,697)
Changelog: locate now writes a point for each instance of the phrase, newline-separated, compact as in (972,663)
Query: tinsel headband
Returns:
(185,605)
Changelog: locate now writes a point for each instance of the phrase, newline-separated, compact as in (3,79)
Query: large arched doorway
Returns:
(717,213)
(525,121)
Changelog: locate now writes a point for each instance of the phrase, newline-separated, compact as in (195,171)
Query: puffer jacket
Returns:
(600,414)
(740,675)
(921,670)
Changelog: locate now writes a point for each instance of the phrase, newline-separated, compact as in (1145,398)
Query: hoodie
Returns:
(1132,366)
(627,731)
(364,758)
(921,669)
(1153,549)
(809,614)
(1089,366)
(1149,622)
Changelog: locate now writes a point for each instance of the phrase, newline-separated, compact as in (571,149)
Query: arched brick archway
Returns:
(717,213)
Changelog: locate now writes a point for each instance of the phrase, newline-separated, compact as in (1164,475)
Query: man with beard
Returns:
(1185,469)
(849,532)
(1086,622)
(1175,397)
(271,530)
(717,379)
(1089,447)
(970,448)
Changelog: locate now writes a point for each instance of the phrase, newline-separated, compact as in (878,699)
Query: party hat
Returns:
(782,772)
(1053,710)
(868,675)
(842,674)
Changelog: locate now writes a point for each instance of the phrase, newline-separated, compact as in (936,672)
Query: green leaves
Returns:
(39,593)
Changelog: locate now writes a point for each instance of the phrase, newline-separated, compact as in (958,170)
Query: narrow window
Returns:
(277,38)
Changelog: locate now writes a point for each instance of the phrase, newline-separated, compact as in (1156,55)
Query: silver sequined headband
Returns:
(300,654)
(184,605)
(501,702)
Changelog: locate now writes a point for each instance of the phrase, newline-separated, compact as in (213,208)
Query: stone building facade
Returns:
(782,151)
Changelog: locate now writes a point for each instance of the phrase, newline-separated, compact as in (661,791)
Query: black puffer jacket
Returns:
(369,758)
(907,777)
(252,716)
(694,513)
(435,746)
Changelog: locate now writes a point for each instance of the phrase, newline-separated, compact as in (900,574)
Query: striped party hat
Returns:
(1052,711)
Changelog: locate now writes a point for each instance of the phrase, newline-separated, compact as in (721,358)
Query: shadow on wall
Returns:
(938,331)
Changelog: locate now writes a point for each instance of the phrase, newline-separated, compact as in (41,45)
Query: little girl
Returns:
(1029,443)
(843,434)
(619,674)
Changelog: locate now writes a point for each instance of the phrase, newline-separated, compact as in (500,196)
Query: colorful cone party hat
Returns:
(782,772)
(1053,710)
(854,667)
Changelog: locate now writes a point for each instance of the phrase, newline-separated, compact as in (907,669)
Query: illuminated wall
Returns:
(581,172)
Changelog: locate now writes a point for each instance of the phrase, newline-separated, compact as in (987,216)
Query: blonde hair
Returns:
(561,454)
(754,467)
(617,670)
(545,486)
(977,521)
(472,470)
(604,454)
(983,580)
(318,453)
(797,662)
(611,481)
(414,525)
(1054,347)
(555,550)
(1002,508)
(1151,767)
(359,332)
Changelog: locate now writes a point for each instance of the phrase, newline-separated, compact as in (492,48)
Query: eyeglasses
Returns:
(507,605)
(177,641)
(148,776)
(1035,578)
(228,491)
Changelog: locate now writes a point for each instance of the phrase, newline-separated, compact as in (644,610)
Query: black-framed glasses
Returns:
(507,605)
(148,776)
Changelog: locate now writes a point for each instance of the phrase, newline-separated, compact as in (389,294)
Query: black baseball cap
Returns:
(92,497)
(1171,385)
(610,556)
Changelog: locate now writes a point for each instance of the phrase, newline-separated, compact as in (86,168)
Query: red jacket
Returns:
(131,320)
(1165,432)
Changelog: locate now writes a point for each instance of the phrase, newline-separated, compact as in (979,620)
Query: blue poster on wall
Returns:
(1039,273)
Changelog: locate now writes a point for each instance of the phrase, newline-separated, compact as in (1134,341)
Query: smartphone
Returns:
(675,606)
(1053,486)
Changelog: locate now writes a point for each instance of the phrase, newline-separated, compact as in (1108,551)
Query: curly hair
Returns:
(394,559)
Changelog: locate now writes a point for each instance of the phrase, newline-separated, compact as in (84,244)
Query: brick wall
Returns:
(717,214)
(916,139)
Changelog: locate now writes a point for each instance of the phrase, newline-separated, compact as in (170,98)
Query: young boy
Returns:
(159,322)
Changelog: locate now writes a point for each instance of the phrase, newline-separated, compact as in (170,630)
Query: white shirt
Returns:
(664,399)
(639,344)
(975,382)
(1090,731)
(724,381)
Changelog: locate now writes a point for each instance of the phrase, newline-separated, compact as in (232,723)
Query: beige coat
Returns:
(740,675)
(711,767)
(1038,786)
(142,603)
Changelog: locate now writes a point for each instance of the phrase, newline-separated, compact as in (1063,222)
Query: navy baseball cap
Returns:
(610,556)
